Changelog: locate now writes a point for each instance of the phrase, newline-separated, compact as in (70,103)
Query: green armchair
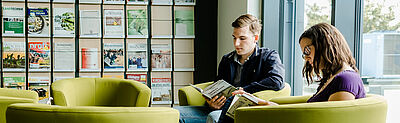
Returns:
(10,96)
(188,96)
(109,92)
(371,109)
(41,113)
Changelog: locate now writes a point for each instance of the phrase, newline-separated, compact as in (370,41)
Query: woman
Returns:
(327,57)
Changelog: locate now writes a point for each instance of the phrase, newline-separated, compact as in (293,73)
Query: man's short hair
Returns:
(248,19)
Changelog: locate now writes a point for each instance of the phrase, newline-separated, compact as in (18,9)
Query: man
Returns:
(248,67)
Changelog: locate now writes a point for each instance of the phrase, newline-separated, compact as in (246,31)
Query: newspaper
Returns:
(240,100)
(219,88)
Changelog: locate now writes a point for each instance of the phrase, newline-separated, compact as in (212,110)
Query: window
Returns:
(381,39)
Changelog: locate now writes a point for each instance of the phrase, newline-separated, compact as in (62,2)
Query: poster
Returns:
(161,90)
(64,21)
(137,22)
(40,85)
(140,77)
(64,56)
(14,82)
(90,23)
(13,21)
(39,55)
(137,57)
(114,23)
(38,22)
(184,23)
(161,57)
(14,55)
(90,59)
(113,56)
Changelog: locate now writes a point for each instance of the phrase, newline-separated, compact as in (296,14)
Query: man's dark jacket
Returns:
(262,71)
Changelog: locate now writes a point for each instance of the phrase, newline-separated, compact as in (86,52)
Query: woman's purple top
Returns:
(347,80)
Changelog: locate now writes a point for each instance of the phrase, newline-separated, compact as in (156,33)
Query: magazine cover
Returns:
(137,22)
(161,57)
(138,1)
(114,22)
(161,90)
(64,21)
(38,22)
(163,2)
(64,56)
(14,82)
(184,23)
(13,21)
(90,23)
(137,56)
(90,59)
(40,85)
(184,1)
(89,1)
(138,77)
(14,55)
(39,55)
(113,56)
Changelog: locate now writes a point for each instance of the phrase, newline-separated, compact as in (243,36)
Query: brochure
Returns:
(138,77)
(161,90)
(39,55)
(113,56)
(64,21)
(38,22)
(114,23)
(13,21)
(137,56)
(14,55)
(90,59)
(137,22)
(64,56)
(161,57)
(14,82)
(90,23)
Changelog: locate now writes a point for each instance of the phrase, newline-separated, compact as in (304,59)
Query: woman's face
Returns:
(308,50)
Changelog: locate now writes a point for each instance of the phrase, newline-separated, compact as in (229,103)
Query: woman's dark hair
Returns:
(331,51)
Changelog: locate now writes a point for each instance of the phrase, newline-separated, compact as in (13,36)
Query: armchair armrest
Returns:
(269,94)
(291,99)
(188,96)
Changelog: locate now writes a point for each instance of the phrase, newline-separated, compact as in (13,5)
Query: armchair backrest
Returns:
(100,92)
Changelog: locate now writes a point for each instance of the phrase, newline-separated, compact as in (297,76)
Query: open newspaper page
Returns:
(219,88)
(137,22)
(38,22)
(137,56)
(40,85)
(114,22)
(14,82)
(64,21)
(89,23)
(13,21)
(14,56)
(64,56)
(240,100)
(90,59)
(161,90)
(161,57)
(140,77)
(113,56)
(39,55)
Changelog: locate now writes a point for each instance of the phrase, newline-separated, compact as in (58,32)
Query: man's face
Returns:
(244,40)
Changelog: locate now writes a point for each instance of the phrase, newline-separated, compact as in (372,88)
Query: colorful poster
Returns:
(14,55)
(137,22)
(90,23)
(161,57)
(184,22)
(138,77)
(113,56)
(40,85)
(137,57)
(38,22)
(64,21)
(14,82)
(161,90)
(64,56)
(13,20)
(39,55)
(90,59)
(114,23)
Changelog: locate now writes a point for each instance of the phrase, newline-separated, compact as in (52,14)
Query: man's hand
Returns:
(216,103)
